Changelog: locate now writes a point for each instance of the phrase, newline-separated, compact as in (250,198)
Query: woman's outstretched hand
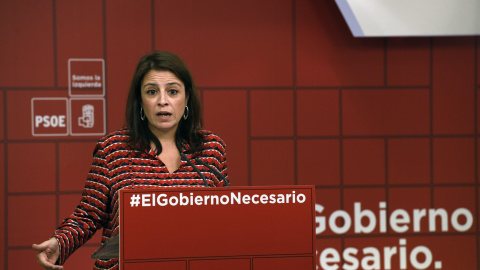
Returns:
(48,253)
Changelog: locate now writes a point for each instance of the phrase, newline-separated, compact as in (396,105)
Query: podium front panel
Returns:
(218,228)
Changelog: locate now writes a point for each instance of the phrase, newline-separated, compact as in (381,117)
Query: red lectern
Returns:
(236,228)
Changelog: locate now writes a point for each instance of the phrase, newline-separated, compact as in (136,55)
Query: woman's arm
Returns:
(91,212)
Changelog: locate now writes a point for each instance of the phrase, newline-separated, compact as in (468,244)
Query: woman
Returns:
(162,146)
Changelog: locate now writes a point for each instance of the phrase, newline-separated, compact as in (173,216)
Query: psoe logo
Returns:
(88,116)
(49,116)
(87,120)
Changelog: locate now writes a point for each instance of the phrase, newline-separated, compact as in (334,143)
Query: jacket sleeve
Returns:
(91,212)
(217,149)
(222,167)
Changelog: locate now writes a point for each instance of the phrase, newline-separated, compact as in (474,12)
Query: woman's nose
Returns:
(162,99)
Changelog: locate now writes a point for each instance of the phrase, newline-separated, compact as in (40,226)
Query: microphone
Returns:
(194,168)
(215,171)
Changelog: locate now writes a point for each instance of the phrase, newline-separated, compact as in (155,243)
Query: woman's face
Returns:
(163,101)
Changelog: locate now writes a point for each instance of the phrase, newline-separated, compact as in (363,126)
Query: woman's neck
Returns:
(166,137)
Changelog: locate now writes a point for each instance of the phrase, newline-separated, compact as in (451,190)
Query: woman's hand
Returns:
(48,253)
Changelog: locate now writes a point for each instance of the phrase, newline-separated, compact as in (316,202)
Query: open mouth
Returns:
(164,114)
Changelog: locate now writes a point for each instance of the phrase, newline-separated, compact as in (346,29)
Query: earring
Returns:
(185,114)
(142,114)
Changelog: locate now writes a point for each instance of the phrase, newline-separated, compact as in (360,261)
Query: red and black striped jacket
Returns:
(116,166)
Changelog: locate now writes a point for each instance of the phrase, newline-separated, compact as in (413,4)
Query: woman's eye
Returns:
(151,92)
(173,91)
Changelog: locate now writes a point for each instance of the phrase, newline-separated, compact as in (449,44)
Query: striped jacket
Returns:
(116,166)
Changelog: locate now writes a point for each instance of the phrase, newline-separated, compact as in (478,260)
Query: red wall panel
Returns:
(282,263)
(324,209)
(453,81)
(272,162)
(67,203)
(81,258)
(325,246)
(438,250)
(80,33)
(128,27)
(39,174)
(318,112)
(409,161)
(385,112)
(409,199)
(21,259)
(366,199)
(233,43)
(408,62)
(478,110)
(233,264)
(28,220)
(73,164)
(172,265)
(28,55)
(328,55)
(453,252)
(318,162)
(363,161)
(3,218)
(2,124)
(454,160)
(453,200)
(271,113)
